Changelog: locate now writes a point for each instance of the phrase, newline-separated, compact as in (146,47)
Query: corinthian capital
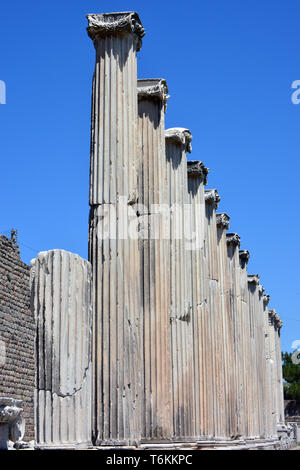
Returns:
(196,169)
(153,89)
(180,136)
(223,220)
(106,24)
(233,239)
(212,197)
(244,255)
(253,279)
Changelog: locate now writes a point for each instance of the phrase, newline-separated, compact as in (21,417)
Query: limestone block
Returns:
(12,424)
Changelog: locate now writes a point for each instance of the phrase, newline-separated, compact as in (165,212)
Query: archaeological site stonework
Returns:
(161,339)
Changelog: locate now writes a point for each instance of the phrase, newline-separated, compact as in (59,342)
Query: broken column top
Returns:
(153,89)
(104,24)
(244,255)
(261,290)
(197,169)
(180,136)
(233,239)
(223,220)
(253,279)
(212,197)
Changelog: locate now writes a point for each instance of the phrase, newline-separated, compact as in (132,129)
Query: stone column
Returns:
(254,405)
(154,250)
(262,363)
(114,253)
(270,422)
(197,178)
(233,243)
(229,412)
(178,142)
(61,303)
(279,387)
(246,378)
(214,393)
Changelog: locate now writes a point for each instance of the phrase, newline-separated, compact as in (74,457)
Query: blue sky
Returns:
(229,66)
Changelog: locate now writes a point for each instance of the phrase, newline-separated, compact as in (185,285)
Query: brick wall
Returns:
(16,331)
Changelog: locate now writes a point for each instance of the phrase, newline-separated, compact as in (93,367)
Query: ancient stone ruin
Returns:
(162,339)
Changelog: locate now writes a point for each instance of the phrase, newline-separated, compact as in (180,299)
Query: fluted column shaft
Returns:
(229,412)
(214,391)
(62,306)
(155,270)
(114,256)
(196,180)
(270,423)
(233,243)
(245,336)
(177,144)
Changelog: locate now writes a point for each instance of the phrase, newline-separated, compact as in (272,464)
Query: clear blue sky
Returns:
(229,67)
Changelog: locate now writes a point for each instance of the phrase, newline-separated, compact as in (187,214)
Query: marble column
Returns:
(154,250)
(244,257)
(271,430)
(229,413)
(197,178)
(214,392)
(113,246)
(279,382)
(262,363)
(254,405)
(236,313)
(178,143)
(61,304)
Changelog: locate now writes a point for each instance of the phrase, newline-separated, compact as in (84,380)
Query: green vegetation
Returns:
(291,375)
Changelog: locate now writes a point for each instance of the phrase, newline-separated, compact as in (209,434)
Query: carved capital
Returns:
(233,239)
(106,24)
(212,197)
(266,299)
(180,136)
(153,89)
(244,255)
(223,220)
(261,290)
(253,279)
(196,169)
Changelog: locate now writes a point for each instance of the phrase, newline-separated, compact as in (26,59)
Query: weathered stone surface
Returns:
(117,355)
(61,303)
(156,410)
(17,331)
(12,424)
(178,142)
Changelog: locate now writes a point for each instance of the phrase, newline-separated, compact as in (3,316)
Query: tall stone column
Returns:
(154,250)
(115,256)
(178,142)
(254,405)
(233,243)
(214,393)
(271,430)
(246,377)
(197,178)
(229,412)
(262,363)
(62,306)
(279,382)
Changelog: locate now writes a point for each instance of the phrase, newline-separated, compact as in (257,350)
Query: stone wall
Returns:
(16,331)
